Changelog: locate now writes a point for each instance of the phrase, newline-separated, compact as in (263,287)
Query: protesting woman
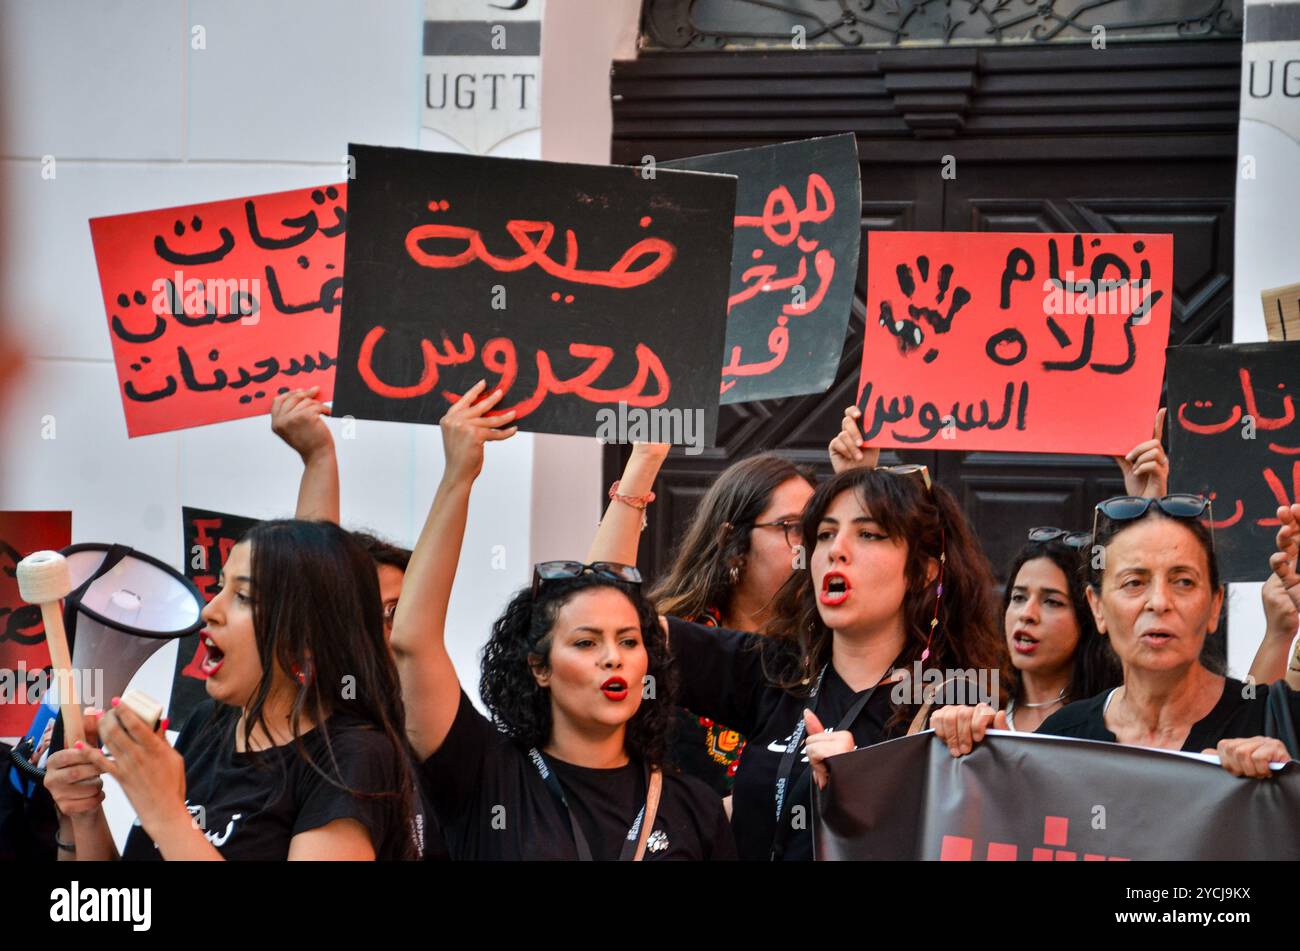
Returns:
(299,754)
(1155,594)
(575,676)
(894,576)
(1057,656)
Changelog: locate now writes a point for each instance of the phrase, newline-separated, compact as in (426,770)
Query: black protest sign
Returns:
(209,536)
(1233,437)
(793,263)
(1021,797)
(572,288)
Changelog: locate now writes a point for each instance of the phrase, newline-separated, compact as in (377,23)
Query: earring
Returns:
(298,675)
(734,574)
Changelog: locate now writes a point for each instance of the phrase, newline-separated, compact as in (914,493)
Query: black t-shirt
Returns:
(492,803)
(708,751)
(252,804)
(435,846)
(1235,715)
(721,676)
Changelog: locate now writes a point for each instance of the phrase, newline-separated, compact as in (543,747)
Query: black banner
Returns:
(209,536)
(573,288)
(1233,438)
(1037,798)
(793,264)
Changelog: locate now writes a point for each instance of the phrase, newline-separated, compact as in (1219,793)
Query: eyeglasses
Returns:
(792,528)
(1125,508)
(556,570)
(911,468)
(1070,539)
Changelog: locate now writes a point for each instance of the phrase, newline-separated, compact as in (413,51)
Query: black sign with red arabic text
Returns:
(793,265)
(573,288)
(1234,438)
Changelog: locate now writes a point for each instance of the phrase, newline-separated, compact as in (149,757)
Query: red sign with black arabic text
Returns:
(214,309)
(23,651)
(1006,341)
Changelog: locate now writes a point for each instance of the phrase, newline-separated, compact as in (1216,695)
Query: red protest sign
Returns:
(23,652)
(214,309)
(1024,342)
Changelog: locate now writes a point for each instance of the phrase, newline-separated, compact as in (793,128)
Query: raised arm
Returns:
(296,417)
(847,450)
(619,533)
(1282,622)
(1146,467)
(1285,568)
(430,689)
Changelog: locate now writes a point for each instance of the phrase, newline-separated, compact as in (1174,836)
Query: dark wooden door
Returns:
(1140,138)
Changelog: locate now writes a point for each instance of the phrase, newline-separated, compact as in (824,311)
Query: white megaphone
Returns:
(123,605)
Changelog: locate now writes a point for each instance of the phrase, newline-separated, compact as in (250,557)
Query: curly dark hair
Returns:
(521,707)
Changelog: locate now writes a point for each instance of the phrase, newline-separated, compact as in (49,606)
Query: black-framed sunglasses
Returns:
(791,527)
(556,570)
(1045,533)
(1125,508)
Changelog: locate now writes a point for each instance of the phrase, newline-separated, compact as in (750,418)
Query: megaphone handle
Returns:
(56,639)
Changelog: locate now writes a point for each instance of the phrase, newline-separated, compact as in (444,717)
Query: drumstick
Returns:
(44,580)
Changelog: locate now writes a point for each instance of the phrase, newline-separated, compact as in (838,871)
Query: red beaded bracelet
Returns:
(636,501)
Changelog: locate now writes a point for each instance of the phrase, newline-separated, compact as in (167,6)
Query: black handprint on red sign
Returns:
(909,330)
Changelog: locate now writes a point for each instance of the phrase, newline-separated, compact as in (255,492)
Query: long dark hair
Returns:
(931,522)
(521,707)
(718,535)
(1095,667)
(316,609)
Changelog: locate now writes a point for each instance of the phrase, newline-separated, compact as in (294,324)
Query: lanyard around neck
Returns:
(782,830)
(630,841)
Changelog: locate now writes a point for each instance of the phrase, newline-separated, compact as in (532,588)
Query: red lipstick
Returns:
(615,688)
(835,588)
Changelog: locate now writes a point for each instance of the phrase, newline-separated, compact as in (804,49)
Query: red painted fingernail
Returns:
(79,745)
(163,724)
(116,701)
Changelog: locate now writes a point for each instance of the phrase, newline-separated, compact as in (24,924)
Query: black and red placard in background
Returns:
(1234,438)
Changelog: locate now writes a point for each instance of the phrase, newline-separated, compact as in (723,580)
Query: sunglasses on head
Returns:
(1125,508)
(1070,539)
(911,468)
(557,570)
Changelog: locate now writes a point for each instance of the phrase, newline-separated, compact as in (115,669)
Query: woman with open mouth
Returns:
(1155,594)
(299,753)
(889,574)
(575,676)
(1057,656)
